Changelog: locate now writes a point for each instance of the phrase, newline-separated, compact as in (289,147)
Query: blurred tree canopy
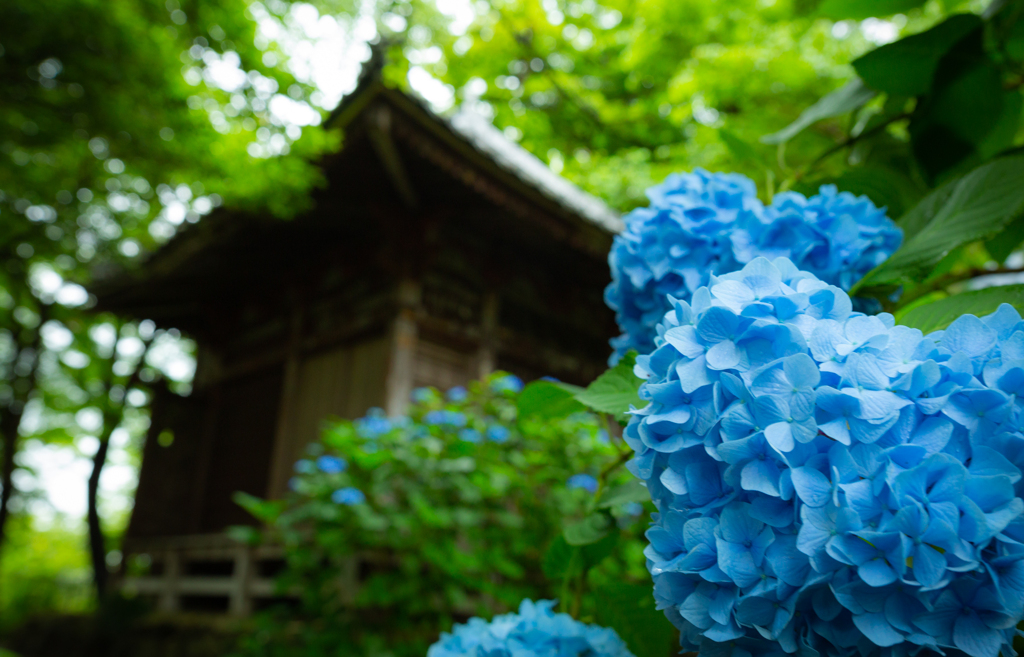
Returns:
(108,144)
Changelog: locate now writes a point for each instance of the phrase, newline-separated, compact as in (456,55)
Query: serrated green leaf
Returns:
(549,400)
(907,67)
(919,216)
(841,101)
(861,9)
(630,610)
(589,530)
(940,314)
(980,205)
(634,491)
(615,390)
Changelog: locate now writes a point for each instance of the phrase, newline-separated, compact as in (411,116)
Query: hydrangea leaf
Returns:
(589,530)
(980,205)
(615,390)
(549,400)
(907,67)
(844,100)
(632,491)
(939,314)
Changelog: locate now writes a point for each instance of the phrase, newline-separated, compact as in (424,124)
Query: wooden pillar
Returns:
(169,600)
(281,456)
(487,356)
(402,357)
(240,601)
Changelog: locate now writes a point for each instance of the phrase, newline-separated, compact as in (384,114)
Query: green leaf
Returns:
(265,510)
(589,530)
(549,400)
(634,491)
(860,9)
(921,214)
(980,205)
(940,314)
(1002,245)
(630,610)
(615,390)
(884,186)
(841,101)
(958,119)
(558,559)
(907,67)
(246,535)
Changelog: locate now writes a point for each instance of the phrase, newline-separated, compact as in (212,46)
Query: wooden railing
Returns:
(210,573)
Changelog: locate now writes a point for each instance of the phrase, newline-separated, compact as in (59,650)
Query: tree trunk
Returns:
(10,420)
(97,541)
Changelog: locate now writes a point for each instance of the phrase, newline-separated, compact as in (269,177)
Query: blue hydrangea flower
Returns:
(457,394)
(702,224)
(422,395)
(470,435)
(507,383)
(535,631)
(584,481)
(497,433)
(348,496)
(445,418)
(305,466)
(331,464)
(376,423)
(828,482)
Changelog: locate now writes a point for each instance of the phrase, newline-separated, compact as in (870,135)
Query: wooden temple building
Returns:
(437,252)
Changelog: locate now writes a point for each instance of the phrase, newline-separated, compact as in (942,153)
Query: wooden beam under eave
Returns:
(378,128)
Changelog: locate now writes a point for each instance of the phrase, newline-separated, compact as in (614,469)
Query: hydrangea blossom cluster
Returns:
(829,483)
(701,223)
(535,631)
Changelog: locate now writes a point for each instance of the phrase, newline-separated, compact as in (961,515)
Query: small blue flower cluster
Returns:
(331,464)
(584,481)
(535,631)
(508,383)
(700,224)
(348,496)
(374,424)
(829,483)
(445,418)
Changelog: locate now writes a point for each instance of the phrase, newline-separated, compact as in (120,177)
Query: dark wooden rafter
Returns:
(379,131)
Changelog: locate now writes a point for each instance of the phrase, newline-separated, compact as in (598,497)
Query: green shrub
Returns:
(464,510)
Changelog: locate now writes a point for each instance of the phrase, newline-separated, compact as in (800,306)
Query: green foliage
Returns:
(455,523)
(977,207)
(619,96)
(45,570)
(844,100)
(548,399)
(613,393)
(908,66)
(940,313)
